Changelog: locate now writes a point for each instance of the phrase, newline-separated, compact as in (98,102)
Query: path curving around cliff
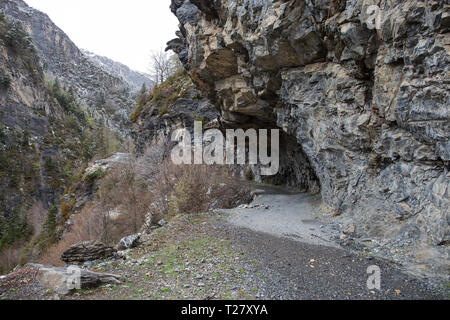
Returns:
(298,256)
(284,213)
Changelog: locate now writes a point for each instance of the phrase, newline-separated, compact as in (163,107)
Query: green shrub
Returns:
(26,138)
(93,176)
(249,175)
(14,180)
(48,235)
(5,82)
(2,134)
(2,226)
(49,164)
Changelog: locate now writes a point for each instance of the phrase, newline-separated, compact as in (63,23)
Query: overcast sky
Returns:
(125,31)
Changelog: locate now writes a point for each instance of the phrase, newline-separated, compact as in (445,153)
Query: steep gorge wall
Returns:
(367,110)
(46,136)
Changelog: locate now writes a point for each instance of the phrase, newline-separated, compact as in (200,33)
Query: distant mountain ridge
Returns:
(135,79)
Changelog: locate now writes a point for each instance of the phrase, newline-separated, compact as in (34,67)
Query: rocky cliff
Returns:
(360,92)
(175,104)
(134,79)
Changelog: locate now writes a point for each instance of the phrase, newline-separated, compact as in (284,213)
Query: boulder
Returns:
(350,230)
(87,251)
(161,223)
(129,242)
(63,280)
(152,223)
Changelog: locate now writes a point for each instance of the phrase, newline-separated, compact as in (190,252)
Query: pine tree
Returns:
(56,87)
(142,95)
(14,229)
(2,226)
(49,227)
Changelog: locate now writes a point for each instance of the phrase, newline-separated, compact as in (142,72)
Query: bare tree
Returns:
(175,64)
(163,65)
(160,66)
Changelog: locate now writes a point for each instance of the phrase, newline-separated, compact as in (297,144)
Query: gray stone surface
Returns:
(64,280)
(129,242)
(105,94)
(285,214)
(367,109)
(133,78)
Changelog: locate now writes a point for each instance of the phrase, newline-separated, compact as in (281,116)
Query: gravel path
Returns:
(283,214)
(298,259)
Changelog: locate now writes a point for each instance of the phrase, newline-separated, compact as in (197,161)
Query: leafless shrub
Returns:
(124,191)
(149,164)
(203,187)
(149,186)
(160,67)
(36,217)
(90,224)
(163,65)
(9,258)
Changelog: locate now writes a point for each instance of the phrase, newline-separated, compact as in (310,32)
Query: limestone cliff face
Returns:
(366,110)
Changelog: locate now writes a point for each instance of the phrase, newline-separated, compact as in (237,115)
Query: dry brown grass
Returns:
(36,217)
(89,224)
(9,258)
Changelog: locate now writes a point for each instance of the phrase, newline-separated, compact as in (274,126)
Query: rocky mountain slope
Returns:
(107,97)
(54,96)
(134,79)
(24,108)
(364,111)
(58,110)
(364,122)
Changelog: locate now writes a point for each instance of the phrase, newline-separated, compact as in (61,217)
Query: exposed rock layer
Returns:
(87,251)
(42,140)
(366,109)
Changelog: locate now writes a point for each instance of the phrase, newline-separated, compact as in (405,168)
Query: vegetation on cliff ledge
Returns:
(163,96)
